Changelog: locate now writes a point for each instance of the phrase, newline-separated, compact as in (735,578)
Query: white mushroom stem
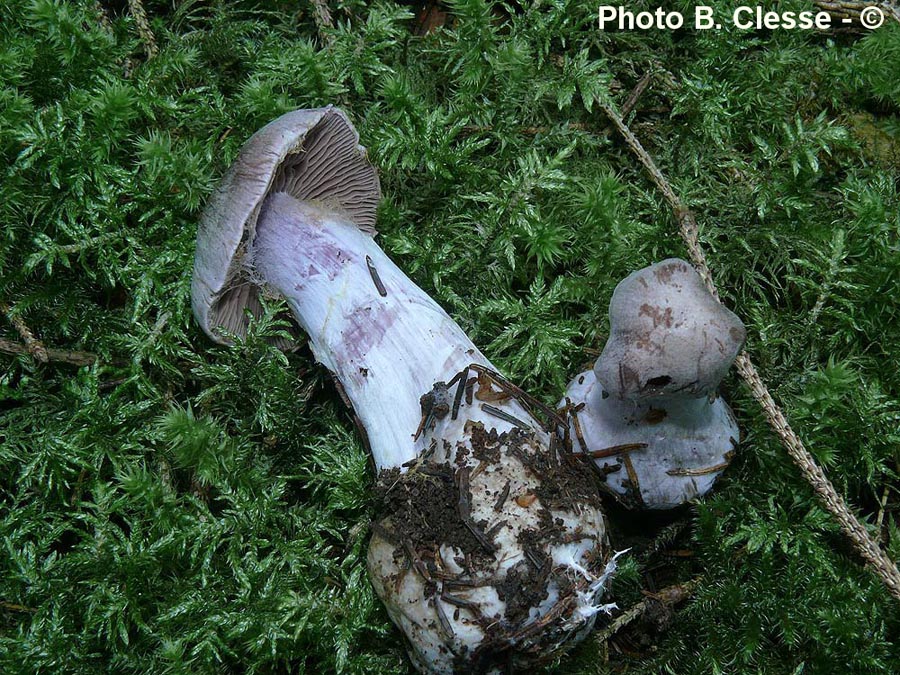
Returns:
(491,549)
(384,338)
(659,452)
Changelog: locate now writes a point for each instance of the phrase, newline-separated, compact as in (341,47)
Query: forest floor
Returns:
(168,505)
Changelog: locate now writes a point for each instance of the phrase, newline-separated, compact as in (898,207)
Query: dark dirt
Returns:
(437,401)
(485,444)
(655,416)
(421,507)
(565,483)
(430,505)
(524,587)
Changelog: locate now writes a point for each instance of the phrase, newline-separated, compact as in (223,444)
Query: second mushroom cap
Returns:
(668,335)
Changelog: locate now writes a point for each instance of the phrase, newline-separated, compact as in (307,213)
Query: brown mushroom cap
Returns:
(668,335)
(313,155)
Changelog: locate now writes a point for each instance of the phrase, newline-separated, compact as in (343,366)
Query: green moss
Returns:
(183,507)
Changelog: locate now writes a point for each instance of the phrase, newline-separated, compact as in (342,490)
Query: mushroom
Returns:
(648,412)
(491,545)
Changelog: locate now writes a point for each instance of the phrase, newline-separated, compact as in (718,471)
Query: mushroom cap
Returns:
(313,155)
(668,335)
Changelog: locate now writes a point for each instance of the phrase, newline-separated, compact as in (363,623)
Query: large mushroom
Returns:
(648,412)
(491,549)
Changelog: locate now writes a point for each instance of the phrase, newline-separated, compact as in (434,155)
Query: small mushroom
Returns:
(470,575)
(648,412)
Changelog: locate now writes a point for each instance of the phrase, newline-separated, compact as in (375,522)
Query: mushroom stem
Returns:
(449,436)
(490,549)
(654,388)
(387,342)
(675,448)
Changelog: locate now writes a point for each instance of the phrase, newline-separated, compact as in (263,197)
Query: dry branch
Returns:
(102,16)
(527,131)
(139,15)
(865,545)
(852,9)
(74,358)
(324,22)
(669,596)
(32,345)
(635,94)
(15,607)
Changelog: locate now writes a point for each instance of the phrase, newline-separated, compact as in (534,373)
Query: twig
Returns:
(33,346)
(627,108)
(635,94)
(865,545)
(70,249)
(670,595)
(74,358)
(102,16)
(139,15)
(324,22)
(666,536)
(882,505)
(125,63)
(829,281)
(13,607)
(528,131)
(157,329)
(852,9)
